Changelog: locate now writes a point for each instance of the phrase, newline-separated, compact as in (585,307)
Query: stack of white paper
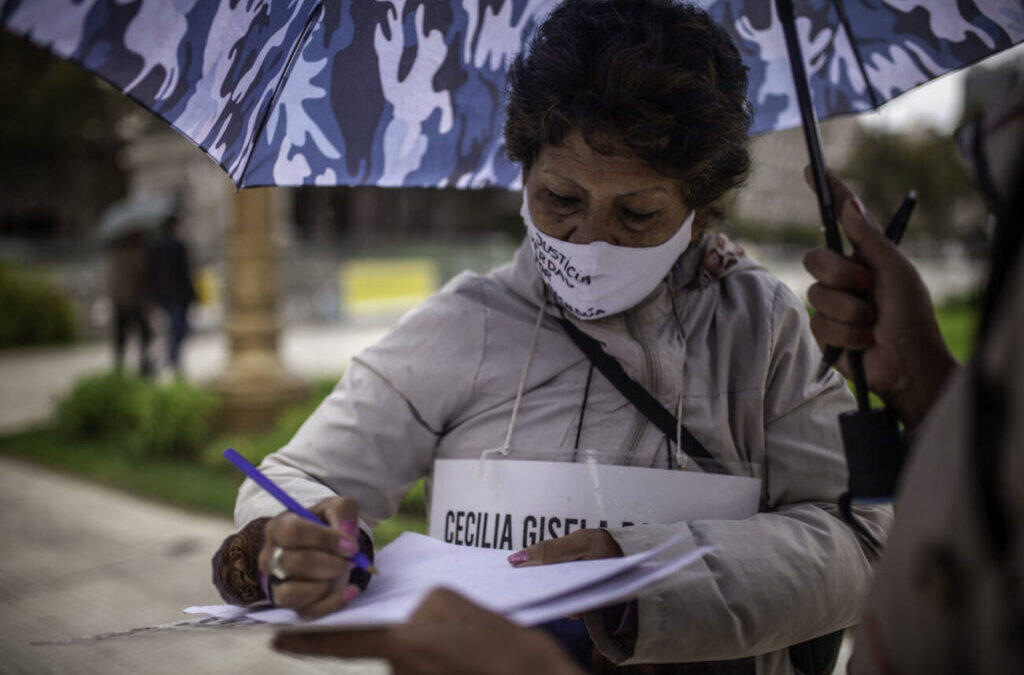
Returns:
(413,565)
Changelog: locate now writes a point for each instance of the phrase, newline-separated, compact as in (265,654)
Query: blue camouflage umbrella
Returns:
(410,92)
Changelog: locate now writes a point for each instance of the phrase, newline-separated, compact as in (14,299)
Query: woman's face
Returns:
(580,196)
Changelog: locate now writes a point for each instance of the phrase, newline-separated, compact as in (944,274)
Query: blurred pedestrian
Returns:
(171,285)
(128,292)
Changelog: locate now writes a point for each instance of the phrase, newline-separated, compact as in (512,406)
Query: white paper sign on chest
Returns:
(514,504)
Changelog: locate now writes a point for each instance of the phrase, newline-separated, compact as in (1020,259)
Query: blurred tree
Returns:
(885,166)
(58,145)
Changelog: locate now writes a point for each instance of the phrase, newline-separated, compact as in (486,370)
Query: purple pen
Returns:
(245,466)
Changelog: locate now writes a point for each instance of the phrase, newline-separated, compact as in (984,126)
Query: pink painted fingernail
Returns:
(349,528)
(348,547)
(350,593)
(519,557)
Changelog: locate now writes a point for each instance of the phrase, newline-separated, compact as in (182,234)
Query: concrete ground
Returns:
(78,559)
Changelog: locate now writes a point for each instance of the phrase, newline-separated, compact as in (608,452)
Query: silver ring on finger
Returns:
(277,572)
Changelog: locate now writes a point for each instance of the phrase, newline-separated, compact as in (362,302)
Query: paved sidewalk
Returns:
(31,379)
(78,559)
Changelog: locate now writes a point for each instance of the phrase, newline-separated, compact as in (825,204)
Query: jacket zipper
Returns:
(650,375)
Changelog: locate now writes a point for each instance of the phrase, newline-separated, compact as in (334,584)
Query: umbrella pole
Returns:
(812,135)
(826,205)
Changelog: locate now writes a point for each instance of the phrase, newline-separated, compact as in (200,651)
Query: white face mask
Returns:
(599,279)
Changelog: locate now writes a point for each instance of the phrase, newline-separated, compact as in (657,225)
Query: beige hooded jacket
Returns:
(735,348)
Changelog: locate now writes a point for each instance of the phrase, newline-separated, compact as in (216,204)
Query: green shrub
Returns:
(173,421)
(100,406)
(34,312)
(177,421)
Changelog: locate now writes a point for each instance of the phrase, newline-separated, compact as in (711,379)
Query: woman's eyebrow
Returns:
(549,173)
(554,174)
(656,188)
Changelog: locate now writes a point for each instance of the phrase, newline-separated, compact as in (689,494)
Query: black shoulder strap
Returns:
(652,409)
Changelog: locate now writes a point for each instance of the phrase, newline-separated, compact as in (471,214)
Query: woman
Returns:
(629,119)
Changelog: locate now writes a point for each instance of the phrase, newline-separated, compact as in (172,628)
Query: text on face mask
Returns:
(553,262)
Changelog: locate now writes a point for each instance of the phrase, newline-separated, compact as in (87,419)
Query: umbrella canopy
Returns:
(410,92)
(139,213)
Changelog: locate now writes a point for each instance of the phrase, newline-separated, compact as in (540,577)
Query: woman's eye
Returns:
(563,201)
(639,216)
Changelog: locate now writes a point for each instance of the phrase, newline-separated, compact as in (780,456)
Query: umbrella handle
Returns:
(812,135)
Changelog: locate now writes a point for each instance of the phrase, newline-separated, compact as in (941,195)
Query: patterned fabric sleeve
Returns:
(235,574)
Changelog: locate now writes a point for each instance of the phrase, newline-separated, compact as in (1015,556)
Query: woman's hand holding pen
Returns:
(876,302)
(307,565)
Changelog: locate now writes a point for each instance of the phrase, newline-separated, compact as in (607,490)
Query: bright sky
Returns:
(937,103)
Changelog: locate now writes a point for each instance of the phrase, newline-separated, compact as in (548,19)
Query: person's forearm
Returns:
(235,571)
(364,442)
(735,602)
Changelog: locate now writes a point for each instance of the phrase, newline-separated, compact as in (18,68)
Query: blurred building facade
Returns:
(776,193)
(324,220)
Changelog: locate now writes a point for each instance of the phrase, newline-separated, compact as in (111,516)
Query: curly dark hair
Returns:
(654,79)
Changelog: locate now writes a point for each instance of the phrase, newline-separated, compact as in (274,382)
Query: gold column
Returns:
(256,387)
